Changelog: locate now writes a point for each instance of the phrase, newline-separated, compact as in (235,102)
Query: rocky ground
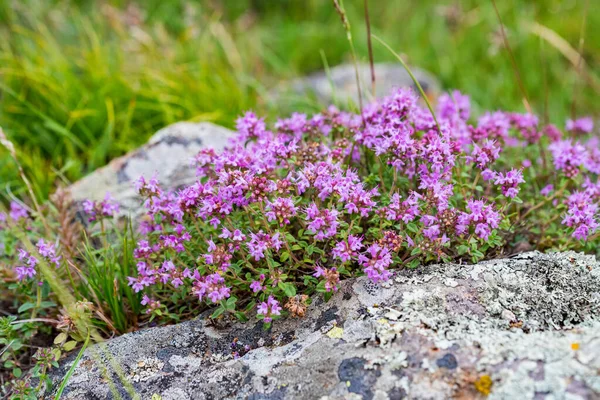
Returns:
(526,327)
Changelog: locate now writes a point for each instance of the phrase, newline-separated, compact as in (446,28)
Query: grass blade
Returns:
(63,384)
(415,80)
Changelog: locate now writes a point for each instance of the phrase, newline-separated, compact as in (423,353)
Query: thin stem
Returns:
(370,47)
(415,80)
(580,61)
(513,61)
(339,7)
(542,203)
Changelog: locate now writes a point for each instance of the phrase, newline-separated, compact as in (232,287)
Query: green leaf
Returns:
(288,288)
(220,310)
(25,306)
(47,304)
(517,200)
(70,345)
(230,303)
(411,226)
(17,372)
(241,316)
(462,249)
(284,256)
(60,338)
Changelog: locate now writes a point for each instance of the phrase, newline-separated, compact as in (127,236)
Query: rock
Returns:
(340,83)
(168,153)
(441,341)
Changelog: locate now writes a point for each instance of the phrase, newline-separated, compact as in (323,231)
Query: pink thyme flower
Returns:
(211,287)
(568,156)
(106,208)
(581,215)
(322,222)
(375,262)
(347,249)
(510,182)
(25,272)
(149,188)
(261,242)
(454,105)
(281,209)
(485,155)
(269,309)
(482,218)
(547,190)
(330,275)
(581,125)
(48,251)
(553,133)
(257,286)
(250,127)
(17,211)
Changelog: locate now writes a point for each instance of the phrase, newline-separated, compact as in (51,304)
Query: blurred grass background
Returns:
(82,82)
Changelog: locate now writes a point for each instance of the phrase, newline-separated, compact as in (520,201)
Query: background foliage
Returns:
(84,81)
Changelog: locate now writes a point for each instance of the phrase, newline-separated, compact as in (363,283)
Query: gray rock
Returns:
(340,83)
(168,153)
(418,338)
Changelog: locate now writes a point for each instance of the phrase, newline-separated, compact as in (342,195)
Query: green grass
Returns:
(82,82)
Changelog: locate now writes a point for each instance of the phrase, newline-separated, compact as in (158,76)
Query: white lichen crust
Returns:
(520,328)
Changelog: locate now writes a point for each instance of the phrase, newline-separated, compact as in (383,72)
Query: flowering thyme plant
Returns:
(287,211)
(296,207)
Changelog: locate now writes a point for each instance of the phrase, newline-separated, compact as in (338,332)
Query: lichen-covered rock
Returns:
(526,327)
(168,153)
(339,84)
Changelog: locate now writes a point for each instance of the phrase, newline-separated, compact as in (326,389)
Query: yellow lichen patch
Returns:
(575,346)
(484,385)
(335,333)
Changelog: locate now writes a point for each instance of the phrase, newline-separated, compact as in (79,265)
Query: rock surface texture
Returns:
(526,327)
(340,83)
(168,153)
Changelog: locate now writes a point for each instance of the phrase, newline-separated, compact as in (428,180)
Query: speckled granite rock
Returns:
(168,153)
(520,328)
(340,84)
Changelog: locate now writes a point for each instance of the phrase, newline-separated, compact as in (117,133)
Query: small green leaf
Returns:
(412,227)
(220,310)
(462,249)
(70,345)
(25,306)
(288,288)
(17,372)
(60,338)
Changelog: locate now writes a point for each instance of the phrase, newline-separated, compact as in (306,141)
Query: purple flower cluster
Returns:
(96,210)
(269,309)
(28,263)
(310,199)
